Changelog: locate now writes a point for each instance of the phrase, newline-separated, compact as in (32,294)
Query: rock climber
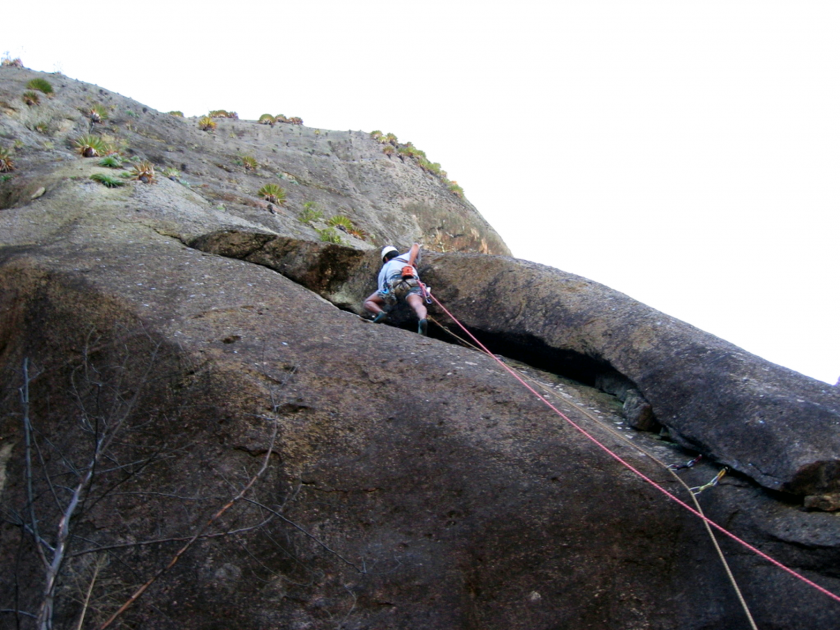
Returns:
(398,281)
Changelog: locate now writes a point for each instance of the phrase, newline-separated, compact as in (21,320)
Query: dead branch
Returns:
(195,537)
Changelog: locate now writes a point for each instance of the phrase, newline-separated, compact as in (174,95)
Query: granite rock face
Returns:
(776,426)
(397,481)
(389,199)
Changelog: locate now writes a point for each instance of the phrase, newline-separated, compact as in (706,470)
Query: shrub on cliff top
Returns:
(205,123)
(8,62)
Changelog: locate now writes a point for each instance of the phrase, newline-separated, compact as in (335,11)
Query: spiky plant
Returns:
(6,163)
(176,113)
(250,163)
(388,149)
(218,113)
(31,98)
(273,193)
(107,180)
(340,221)
(295,120)
(7,61)
(281,118)
(376,134)
(91,146)
(42,85)
(267,119)
(171,173)
(111,161)
(97,113)
(358,233)
(143,172)
(205,123)
(389,137)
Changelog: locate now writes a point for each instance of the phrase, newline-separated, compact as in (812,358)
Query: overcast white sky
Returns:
(684,153)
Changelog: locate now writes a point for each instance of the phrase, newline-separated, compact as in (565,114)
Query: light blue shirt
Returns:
(393,268)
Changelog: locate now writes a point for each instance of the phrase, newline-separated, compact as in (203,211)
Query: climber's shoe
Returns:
(422,327)
(380,317)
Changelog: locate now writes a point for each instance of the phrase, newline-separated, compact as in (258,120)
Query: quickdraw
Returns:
(698,489)
(426,292)
(688,464)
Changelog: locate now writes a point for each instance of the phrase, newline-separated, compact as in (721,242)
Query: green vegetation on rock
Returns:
(42,85)
(31,98)
(310,213)
(273,193)
(90,145)
(329,235)
(107,180)
(205,123)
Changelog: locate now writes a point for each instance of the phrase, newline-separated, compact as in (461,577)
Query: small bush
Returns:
(144,172)
(310,213)
(249,162)
(31,98)
(97,113)
(8,62)
(171,173)
(340,220)
(455,188)
(111,161)
(273,193)
(107,180)
(267,119)
(205,123)
(176,113)
(6,163)
(42,85)
(91,146)
(329,235)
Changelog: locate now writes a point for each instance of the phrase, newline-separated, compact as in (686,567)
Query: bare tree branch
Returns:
(195,537)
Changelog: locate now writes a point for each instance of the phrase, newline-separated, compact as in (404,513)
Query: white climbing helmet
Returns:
(387,250)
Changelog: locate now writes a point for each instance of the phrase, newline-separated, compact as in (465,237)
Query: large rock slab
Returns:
(772,424)
(418,485)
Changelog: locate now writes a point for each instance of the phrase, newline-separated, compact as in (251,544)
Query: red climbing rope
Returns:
(630,467)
